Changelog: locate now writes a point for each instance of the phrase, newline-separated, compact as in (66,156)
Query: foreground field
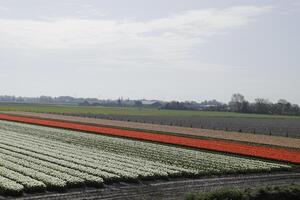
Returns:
(185,131)
(35,158)
(174,189)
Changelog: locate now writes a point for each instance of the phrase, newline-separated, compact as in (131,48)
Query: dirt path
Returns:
(194,132)
(172,189)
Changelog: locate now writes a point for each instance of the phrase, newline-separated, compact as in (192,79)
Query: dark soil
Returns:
(278,127)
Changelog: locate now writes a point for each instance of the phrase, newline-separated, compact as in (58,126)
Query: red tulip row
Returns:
(280,154)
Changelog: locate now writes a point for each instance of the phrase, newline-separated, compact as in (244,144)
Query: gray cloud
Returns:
(163,41)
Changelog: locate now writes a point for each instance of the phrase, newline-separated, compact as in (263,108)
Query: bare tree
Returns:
(262,106)
(237,102)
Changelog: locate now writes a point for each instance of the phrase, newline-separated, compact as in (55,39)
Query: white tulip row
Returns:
(50,157)
(50,181)
(143,169)
(137,161)
(30,157)
(70,180)
(93,157)
(9,187)
(28,182)
(104,171)
(52,132)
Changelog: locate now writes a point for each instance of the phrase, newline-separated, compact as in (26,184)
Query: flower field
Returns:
(287,142)
(37,158)
(280,154)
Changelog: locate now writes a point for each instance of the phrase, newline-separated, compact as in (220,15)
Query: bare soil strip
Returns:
(176,189)
(195,132)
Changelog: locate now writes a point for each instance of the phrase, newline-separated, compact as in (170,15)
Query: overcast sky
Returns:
(154,49)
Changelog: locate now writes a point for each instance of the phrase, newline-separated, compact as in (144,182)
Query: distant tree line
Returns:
(239,104)
(212,105)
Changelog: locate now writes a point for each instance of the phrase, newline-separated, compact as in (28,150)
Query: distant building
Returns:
(153,103)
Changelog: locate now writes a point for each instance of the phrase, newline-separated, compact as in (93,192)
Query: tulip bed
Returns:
(279,154)
(36,158)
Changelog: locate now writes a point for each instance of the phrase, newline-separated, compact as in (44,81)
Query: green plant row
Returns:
(287,192)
